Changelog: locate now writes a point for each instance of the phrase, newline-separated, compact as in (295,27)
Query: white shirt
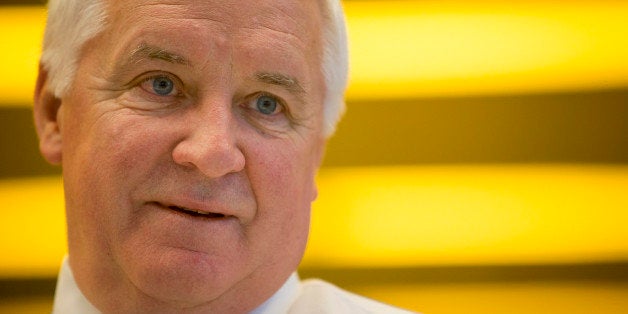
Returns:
(294,297)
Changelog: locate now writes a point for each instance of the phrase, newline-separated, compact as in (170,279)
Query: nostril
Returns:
(213,154)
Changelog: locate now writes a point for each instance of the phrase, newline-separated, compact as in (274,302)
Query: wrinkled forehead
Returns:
(299,17)
(294,26)
(236,38)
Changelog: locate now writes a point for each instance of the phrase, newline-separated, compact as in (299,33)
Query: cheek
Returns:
(282,178)
(282,183)
(120,145)
(282,173)
(104,159)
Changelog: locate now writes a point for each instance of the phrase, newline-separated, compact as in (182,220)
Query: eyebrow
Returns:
(287,82)
(145,51)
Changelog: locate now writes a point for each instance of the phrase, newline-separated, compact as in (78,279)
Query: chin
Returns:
(181,279)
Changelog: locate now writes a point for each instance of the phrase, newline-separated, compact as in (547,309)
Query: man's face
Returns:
(190,141)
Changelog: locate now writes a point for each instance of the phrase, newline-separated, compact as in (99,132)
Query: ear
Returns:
(46,112)
(314,192)
(319,154)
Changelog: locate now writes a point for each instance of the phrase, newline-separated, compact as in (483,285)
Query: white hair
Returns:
(71,23)
(335,64)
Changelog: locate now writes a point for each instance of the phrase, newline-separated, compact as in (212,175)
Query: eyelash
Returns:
(175,82)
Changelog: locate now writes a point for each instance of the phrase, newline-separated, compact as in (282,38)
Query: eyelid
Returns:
(139,80)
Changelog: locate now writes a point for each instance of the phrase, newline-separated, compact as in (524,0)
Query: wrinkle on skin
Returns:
(268,28)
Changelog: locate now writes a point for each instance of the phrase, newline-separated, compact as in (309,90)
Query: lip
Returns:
(196,209)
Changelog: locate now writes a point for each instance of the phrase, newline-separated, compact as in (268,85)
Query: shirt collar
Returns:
(69,299)
(283,299)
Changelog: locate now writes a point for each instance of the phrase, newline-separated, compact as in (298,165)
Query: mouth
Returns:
(195,213)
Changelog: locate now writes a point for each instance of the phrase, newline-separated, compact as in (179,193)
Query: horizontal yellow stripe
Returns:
(32,228)
(398,216)
(426,215)
(21,30)
(405,49)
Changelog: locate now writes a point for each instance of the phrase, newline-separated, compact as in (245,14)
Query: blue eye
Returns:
(266,105)
(163,86)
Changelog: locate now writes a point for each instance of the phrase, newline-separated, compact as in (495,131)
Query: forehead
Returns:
(296,17)
(284,34)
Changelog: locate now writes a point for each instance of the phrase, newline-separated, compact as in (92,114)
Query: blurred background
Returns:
(481,167)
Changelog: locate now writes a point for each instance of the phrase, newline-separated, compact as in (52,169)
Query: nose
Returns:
(210,144)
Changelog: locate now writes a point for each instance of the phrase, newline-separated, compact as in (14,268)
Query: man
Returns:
(190,133)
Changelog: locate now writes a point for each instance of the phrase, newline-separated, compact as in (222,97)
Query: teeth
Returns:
(193,210)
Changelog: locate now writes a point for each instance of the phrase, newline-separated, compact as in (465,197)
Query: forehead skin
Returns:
(288,25)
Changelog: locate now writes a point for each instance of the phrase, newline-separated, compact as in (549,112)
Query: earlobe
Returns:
(319,153)
(47,116)
(314,192)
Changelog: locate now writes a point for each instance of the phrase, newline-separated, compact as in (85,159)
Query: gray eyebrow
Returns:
(145,51)
(289,83)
